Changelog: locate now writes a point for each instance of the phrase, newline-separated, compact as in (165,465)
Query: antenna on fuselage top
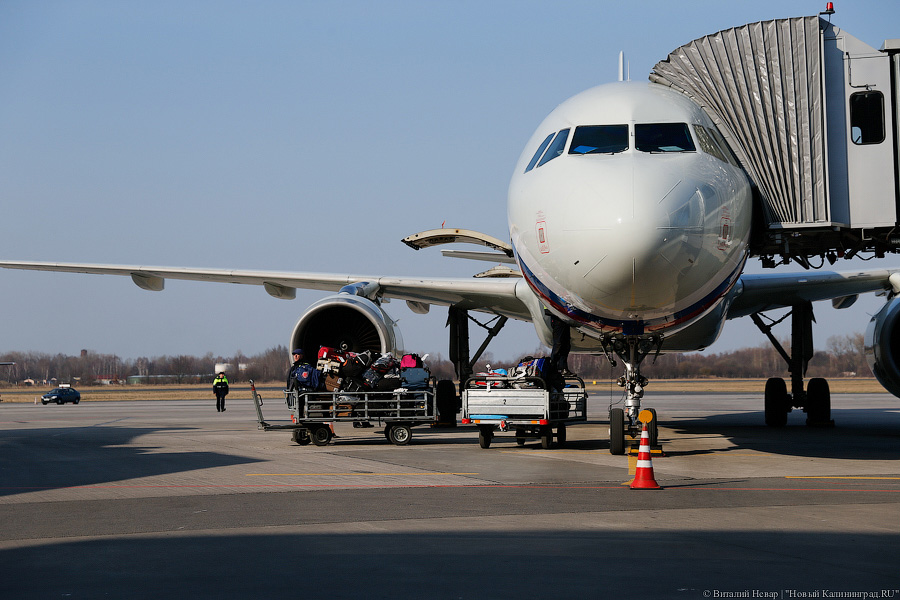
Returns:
(623,69)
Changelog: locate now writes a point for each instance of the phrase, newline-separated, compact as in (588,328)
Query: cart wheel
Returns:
(300,436)
(546,437)
(485,436)
(321,436)
(520,437)
(387,432)
(561,435)
(400,435)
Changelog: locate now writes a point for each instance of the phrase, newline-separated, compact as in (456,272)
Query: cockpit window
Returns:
(663,137)
(707,143)
(540,151)
(556,148)
(599,139)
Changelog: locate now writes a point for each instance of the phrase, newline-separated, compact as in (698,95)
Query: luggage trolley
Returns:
(312,413)
(526,405)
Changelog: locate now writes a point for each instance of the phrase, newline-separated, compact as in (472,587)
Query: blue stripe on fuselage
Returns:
(629,327)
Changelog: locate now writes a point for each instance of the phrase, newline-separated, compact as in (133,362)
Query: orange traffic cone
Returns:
(643,473)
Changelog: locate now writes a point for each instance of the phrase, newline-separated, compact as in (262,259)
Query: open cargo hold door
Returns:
(503,252)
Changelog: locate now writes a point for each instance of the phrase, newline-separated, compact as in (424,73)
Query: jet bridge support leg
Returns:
(816,399)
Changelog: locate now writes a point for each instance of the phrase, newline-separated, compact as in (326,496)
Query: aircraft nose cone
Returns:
(631,255)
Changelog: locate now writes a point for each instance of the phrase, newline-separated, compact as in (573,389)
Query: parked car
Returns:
(61,395)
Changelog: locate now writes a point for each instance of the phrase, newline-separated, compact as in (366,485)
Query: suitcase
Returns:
(333,382)
(411,361)
(344,409)
(371,377)
(384,364)
(414,378)
(355,384)
(388,382)
(327,365)
(331,353)
(356,364)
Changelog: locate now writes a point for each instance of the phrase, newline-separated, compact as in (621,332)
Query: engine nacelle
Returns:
(346,320)
(882,342)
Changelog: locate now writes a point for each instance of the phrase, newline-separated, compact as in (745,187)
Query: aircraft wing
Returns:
(756,293)
(498,296)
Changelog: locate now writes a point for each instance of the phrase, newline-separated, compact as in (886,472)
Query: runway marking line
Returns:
(672,486)
(836,477)
(346,474)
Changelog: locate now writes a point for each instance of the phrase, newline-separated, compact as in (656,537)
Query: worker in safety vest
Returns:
(220,387)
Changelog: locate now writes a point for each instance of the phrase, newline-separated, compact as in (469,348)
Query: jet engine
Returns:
(882,343)
(348,321)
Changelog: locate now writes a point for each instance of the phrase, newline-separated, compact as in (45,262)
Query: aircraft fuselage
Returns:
(629,215)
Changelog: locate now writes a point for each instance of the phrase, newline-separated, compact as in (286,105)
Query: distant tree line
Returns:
(844,356)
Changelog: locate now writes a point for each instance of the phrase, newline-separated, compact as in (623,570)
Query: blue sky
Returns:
(308,136)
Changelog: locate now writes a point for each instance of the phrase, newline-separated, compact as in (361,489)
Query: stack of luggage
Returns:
(358,372)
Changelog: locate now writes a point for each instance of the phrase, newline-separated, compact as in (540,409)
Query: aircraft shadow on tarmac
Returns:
(857,435)
(50,458)
(435,564)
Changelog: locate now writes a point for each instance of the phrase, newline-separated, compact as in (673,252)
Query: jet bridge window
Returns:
(599,139)
(663,137)
(556,148)
(540,151)
(867,118)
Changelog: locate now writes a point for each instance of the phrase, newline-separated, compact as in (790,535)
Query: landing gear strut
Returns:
(816,399)
(458,322)
(632,350)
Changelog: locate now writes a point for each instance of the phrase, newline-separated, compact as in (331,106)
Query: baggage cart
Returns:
(313,413)
(527,406)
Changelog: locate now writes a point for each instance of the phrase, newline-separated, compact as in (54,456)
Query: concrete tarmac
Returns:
(172,499)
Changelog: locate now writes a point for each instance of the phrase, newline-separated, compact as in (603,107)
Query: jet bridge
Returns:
(812,113)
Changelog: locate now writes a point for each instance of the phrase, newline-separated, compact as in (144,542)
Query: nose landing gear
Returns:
(632,350)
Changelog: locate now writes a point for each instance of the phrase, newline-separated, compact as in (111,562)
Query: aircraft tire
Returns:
(776,402)
(617,431)
(653,429)
(485,436)
(818,402)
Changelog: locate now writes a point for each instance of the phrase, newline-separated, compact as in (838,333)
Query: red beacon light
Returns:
(829,8)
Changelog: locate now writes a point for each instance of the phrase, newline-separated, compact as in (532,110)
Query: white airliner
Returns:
(630,219)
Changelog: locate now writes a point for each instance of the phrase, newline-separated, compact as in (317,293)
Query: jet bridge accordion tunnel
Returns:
(812,113)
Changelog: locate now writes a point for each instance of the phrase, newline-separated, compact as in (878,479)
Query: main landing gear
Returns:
(816,399)
(632,350)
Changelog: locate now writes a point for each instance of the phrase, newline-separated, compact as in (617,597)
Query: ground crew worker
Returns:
(292,383)
(220,387)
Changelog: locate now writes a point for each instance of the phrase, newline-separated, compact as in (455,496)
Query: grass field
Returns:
(269,390)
